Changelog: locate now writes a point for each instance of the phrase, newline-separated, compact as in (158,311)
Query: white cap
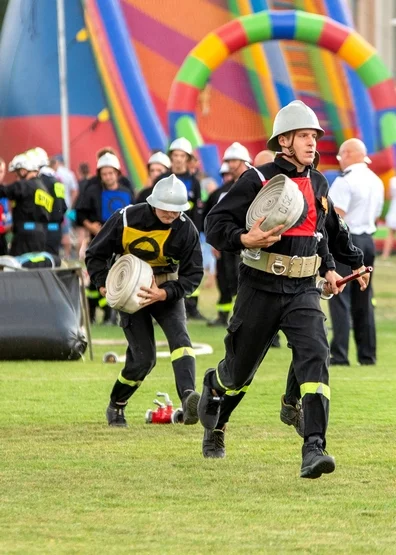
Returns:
(108,160)
(237,152)
(160,158)
(181,144)
(170,194)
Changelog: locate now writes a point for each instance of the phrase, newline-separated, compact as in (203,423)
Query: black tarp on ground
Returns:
(40,315)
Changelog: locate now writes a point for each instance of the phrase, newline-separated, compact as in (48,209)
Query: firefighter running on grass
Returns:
(159,233)
(278,290)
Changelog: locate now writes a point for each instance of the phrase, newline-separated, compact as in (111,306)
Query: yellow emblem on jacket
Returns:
(41,198)
(325,204)
(146,245)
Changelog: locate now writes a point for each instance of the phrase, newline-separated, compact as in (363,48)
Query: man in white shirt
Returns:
(358,197)
(69,180)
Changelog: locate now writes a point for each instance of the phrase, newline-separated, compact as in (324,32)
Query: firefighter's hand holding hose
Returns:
(150,295)
(255,238)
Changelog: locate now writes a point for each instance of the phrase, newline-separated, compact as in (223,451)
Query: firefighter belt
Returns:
(282,265)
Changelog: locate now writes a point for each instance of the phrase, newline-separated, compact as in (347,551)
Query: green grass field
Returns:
(70,484)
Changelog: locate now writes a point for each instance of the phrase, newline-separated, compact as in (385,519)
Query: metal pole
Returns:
(62,62)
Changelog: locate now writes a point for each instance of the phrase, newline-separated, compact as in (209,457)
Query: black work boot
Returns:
(292,415)
(115,415)
(221,320)
(315,460)
(190,407)
(209,404)
(213,446)
(192,312)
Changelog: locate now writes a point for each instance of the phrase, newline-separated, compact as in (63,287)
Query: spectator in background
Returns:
(122,179)
(390,220)
(358,197)
(68,178)
(84,176)
(5,213)
(158,164)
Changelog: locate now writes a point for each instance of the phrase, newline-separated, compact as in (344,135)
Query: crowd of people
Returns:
(183,224)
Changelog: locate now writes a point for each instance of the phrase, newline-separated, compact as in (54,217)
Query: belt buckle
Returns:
(292,261)
(278,268)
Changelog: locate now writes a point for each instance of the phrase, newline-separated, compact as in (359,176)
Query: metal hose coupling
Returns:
(281,202)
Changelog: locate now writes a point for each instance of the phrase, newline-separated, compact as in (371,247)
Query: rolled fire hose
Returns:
(281,202)
(124,281)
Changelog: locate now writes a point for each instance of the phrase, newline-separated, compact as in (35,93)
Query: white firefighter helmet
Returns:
(237,152)
(181,144)
(296,115)
(41,156)
(23,162)
(108,160)
(159,158)
(170,194)
(224,168)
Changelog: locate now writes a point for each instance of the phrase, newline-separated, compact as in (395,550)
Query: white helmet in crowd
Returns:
(181,144)
(237,152)
(224,168)
(23,162)
(108,160)
(296,115)
(41,156)
(170,194)
(159,158)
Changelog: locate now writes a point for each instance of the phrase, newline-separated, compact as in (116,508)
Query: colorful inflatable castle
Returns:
(142,72)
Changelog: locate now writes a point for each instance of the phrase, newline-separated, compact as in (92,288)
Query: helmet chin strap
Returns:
(291,152)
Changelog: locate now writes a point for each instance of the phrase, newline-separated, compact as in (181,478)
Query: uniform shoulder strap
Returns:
(123,211)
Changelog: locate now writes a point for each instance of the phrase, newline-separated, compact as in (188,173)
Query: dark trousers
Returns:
(54,241)
(258,316)
(141,352)
(3,244)
(27,241)
(227,279)
(356,305)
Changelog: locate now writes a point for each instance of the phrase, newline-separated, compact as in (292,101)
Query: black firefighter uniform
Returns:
(174,252)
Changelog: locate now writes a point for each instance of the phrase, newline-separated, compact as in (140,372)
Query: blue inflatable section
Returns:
(30,84)
(131,74)
(361,100)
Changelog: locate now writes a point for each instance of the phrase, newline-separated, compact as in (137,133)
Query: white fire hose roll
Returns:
(124,281)
(280,201)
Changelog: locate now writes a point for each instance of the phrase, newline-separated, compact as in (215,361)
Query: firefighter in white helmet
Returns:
(277,291)
(157,165)
(32,206)
(226,262)
(159,233)
(57,190)
(237,156)
(180,152)
(97,203)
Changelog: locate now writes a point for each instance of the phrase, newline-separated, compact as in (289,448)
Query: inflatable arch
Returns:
(319,30)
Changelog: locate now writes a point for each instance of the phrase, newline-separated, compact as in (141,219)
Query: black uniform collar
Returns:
(284,164)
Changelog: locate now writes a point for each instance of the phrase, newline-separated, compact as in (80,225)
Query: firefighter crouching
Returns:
(160,234)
